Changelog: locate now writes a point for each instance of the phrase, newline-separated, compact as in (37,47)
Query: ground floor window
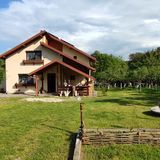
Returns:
(26,79)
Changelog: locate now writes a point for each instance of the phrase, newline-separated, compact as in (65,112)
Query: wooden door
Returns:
(51,80)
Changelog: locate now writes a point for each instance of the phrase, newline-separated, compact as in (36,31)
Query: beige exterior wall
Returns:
(73,53)
(14,65)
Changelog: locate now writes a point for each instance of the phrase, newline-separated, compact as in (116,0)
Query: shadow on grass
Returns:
(117,126)
(150,113)
(114,100)
(72,139)
(146,98)
(124,102)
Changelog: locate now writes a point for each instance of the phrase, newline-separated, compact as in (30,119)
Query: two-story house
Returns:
(46,64)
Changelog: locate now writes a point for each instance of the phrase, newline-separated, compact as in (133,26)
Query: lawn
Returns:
(46,131)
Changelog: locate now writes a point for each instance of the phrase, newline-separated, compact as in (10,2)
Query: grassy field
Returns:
(46,131)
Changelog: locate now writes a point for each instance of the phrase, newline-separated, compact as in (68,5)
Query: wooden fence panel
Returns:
(121,136)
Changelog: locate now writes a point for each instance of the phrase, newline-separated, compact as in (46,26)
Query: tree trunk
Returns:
(108,86)
(121,85)
(140,87)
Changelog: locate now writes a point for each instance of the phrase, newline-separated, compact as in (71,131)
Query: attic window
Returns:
(75,57)
(33,55)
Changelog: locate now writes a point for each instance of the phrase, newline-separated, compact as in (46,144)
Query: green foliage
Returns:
(104,91)
(139,74)
(109,67)
(135,60)
(149,60)
(140,67)
(1,70)
(153,73)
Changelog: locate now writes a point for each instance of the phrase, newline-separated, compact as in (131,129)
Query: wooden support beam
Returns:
(37,88)
(42,79)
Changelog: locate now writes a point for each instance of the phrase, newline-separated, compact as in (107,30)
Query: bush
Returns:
(104,91)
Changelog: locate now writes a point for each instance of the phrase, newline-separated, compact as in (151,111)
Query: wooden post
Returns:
(42,79)
(36,77)
(88,90)
(81,116)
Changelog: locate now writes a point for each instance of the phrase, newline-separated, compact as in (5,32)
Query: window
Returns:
(75,57)
(34,55)
(72,78)
(25,79)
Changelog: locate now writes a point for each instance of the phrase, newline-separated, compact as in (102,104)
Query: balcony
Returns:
(33,62)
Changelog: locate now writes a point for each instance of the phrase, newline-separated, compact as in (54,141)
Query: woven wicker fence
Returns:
(121,136)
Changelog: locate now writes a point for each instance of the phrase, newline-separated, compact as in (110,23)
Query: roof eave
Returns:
(22,45)
(72,47)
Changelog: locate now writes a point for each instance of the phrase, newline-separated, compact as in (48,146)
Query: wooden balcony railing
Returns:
(33,61)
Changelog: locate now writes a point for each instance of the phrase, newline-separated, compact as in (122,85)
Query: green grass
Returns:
(121,152)
(46,131)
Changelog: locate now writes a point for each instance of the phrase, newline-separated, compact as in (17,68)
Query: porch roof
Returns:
(63,64)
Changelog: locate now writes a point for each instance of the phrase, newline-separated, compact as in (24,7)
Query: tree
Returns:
(141,68)
(139,63)
(138,75)
(154,74)
(109,68)
(135,60)
(1,70)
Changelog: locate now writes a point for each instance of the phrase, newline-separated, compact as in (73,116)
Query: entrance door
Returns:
(51,80)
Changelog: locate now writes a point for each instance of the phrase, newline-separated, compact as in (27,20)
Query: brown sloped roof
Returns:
(72,47)
(23,44)
(63,64)
(66,55)
(40,34)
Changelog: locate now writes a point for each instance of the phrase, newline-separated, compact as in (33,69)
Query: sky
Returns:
(110,26)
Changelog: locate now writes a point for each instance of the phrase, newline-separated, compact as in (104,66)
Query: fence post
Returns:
(81,116)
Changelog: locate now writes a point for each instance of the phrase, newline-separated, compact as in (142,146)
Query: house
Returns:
(46,64)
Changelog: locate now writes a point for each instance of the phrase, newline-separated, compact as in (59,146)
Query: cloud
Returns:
(113,27)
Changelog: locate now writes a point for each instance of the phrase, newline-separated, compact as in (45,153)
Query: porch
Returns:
(61,79)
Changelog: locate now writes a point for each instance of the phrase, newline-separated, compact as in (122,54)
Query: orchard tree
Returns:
(109,68)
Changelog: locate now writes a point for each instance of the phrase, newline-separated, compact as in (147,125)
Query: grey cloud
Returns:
(117,27)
